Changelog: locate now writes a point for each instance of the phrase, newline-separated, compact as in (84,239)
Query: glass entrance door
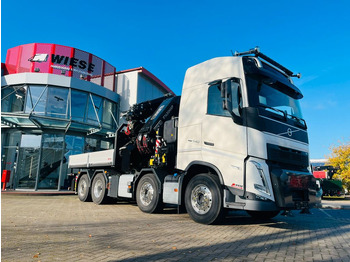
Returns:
(52,153)
(28,161)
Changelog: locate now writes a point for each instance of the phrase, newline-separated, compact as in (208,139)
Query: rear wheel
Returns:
(98,190)
(83,189)
(263,214)
(203,199)
(148,196)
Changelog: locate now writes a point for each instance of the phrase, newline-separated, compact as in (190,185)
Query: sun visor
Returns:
(272,76)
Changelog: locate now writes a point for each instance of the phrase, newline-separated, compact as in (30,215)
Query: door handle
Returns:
(208,143)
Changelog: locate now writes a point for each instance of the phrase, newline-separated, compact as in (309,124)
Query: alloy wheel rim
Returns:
(201,199)
(146,193)
(82,188)
(98,188)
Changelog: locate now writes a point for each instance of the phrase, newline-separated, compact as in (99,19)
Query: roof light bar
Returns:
(256,51)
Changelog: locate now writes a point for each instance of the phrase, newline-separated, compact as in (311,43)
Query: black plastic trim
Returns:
(206,164)
(273,124)
(283,82)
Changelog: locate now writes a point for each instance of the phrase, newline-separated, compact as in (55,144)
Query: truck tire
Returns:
(83,189)
(98,190)
(148,196)
(263,214)
(203,199)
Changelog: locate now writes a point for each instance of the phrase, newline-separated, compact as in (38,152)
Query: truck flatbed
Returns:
(94,159)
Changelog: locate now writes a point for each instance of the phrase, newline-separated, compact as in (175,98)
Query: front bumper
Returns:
(294,189)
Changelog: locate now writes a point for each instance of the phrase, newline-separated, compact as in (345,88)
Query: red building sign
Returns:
(60,60)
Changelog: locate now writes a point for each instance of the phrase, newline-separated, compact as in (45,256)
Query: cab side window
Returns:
(215,102)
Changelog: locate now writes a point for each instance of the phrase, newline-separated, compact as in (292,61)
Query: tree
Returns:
(340,158)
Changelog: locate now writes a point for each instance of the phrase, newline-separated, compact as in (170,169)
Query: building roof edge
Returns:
(149,75)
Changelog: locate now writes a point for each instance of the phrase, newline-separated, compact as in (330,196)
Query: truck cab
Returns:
(240,117)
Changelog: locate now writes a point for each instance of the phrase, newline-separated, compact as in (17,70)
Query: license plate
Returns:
(299,182)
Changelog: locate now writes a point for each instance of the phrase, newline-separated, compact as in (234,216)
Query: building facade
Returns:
(57,101)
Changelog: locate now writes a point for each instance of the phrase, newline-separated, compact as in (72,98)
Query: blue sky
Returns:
(167,37)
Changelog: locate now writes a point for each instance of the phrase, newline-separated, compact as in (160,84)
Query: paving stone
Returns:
(61,228)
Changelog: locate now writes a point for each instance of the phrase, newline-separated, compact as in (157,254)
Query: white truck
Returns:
(235,139)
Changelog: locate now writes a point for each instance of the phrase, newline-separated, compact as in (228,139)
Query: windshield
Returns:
(263,94)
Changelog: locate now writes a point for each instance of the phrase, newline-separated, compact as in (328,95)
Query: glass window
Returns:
(57,102)
(215,102)
(13,98)
(78,105)
(109,108)
(5,99)
(97,103)
(106,144)
(36,99)
(265,94)
(91,145)
(74,145)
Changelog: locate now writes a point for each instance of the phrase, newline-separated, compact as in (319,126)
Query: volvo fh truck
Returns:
(234,139)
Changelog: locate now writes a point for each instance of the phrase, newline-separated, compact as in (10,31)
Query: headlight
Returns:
(263,187)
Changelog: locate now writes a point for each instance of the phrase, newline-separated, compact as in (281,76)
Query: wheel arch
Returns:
(157,174)
(99,171)
(80,174)
(195,168)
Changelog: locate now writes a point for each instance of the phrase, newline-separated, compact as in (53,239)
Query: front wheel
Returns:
(98,190)
(148,196)
(203,199)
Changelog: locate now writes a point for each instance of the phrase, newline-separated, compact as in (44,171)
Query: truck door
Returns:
(224,139)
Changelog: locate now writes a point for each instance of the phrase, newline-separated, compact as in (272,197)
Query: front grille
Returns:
(279,154)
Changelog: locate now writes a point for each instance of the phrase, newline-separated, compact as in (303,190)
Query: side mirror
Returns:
(223,89)
(236,105)
(232,98)
(226,93)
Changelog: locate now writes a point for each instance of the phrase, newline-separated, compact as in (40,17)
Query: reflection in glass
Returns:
(91,145)
(97,104)
(109,108)
(57,102)
(74,145)
(215,102)
(27,165)
(36,99)
(78,106)
(52,149)
(12,98)
(106,144)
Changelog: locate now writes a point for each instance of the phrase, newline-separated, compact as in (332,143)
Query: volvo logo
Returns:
(289,132)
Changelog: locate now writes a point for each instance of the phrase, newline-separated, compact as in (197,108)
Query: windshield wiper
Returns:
(299,120)
(276,110)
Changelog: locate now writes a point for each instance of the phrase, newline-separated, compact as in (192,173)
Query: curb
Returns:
(36,193)
(335,207)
